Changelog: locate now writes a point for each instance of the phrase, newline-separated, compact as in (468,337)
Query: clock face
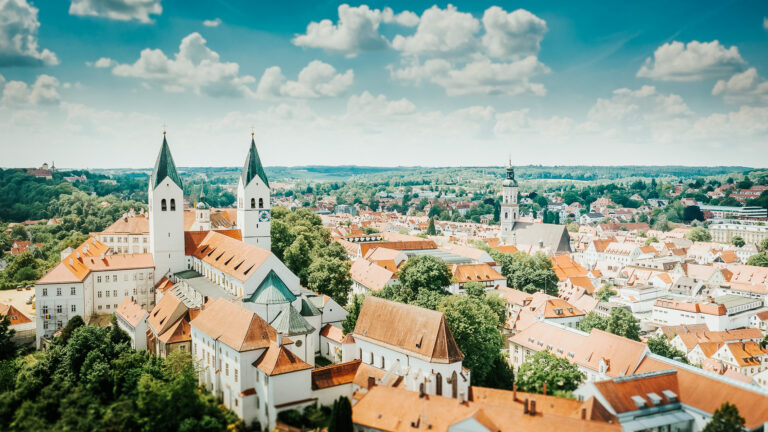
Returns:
(264,216)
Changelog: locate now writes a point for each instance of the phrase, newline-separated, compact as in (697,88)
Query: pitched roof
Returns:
(334,375)
(130,311)
(289,322)
(420,332)
(370,275)
(482,272)
(13,314)
(565,267)
(234,325)
(308,308)
(277,359)
(272,290)
(333,333)
(165,313)
(138,224)
(164,167)
(621,393)
(92,256)
(252,167)
(554,237)
(225,253)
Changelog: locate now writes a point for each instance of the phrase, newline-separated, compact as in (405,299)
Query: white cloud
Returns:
(18,36)
(316,80)
(195,67)
(212,23)
(636,106)
(695,61)
(479,76)
(101,63)
(44,91)
(765,23)
(512,35)
(368,104)
(440,31)
(119,10)
(356,31)
(744,87)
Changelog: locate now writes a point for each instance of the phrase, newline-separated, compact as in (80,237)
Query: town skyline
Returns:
(385,83)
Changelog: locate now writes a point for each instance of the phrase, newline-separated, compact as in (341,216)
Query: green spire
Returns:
(253,167)
(164,167)
(272,290)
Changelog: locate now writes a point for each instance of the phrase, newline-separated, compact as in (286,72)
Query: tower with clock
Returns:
(253,205)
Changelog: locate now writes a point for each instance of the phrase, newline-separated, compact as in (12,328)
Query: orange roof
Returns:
(370,275)
(229,255)
(420,332)
(334,375)
(13,314)
(747,353)
(399,245)
(705,308)
(510,249)
(706,391)
(584,282)
(278,360)
(475,273)
(164,285)
(396,409)
(91,256)
(333,333)
(131,311)
(136,225)
(234,325)
(178,332)
(165,313)
(729,256)
(601,245)
(619,392)
(565,268)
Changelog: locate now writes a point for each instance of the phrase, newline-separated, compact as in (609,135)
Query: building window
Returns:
(114,278)
(98,294)
(235,375)
(45,292)
(107,293)
(226,369)
(173,204)
(99,307)
(114,293)
(261,202)
(45,325)
(253,202)
(73,308)
(107,306)
(58,291)
(72,291)
(163,205)
(45,310)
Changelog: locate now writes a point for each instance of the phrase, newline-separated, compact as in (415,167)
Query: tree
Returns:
(529,273)
(74,322)
(651,240)
(341,416)
(760,260)
(475,328)
(621,322)
(502,376)
(605,293)
(661,346)
(691,213)
(425,272)
(7,346)
(725,419)
(764,245)
(698,234)
(573,227)
(738,241)
(330,276)
(431,228)
(297,258)
(593,320)
(542,368)
(353,311)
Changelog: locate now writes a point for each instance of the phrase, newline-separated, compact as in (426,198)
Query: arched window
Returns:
(253,202)
(163,205)
(261,202)
(454,385)
(439,384)
(173,204)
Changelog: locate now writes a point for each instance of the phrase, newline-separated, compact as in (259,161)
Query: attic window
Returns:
(212,251)
(203,249)
(654,398)
(230,259)
(670,395)
(639,401)
(221,255)
(239,264)
(249,269)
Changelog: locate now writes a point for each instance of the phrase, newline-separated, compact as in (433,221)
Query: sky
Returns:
(93,83)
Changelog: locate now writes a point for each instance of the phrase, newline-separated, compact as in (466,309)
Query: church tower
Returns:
(253,215)
(166,215)
(510,209)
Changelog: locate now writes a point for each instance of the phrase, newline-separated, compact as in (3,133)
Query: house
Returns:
(524,309)
(482,273)
(23,326)
(168,327)
(368,277)
(132,319)
(720,313)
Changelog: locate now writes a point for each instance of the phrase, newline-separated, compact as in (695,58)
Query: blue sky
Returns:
(89,83)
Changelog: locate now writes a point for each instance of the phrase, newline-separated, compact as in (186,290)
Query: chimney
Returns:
(279,339)
(371,382)
(525,406)
(583,413)
(533,407)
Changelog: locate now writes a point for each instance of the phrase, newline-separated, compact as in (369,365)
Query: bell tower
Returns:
(253,203)
(510,209)
(166,215)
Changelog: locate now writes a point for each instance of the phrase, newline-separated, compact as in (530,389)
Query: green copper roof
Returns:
(289,322)
(164,167)
(272,290)
(252,167)
(309,309)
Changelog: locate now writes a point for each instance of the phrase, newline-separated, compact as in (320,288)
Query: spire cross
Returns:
(164,128)
(253,130)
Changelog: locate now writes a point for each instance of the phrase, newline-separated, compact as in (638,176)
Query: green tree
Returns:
(474,326)
(725,419)
(7,345)
(341,416)
(528,273)
(621,322)
(760,260)
(698,234)
(330,276)
(764,245)
(353,311)
(573,227)
(661,346)
(297,258)
(424,272)
(738,241)
(74,323)
(593,320)
(605,293)
(559,375)
(651,240)
(431,228)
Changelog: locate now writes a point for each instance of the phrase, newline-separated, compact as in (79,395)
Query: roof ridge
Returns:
(165,167)
(253,167)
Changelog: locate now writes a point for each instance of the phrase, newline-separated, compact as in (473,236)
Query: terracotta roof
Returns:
(365,371)
(131,311)
(370,275)
(277,360)
(619,392)
(584,282)
(229,255)
(510,249)
(13,314)
(234,325)
(671,331)
(164,285)
(565,267)
(129,225)
(420,332)
(382,253)
(91,256)
(707,391)
(178,332)
(396,409)
(333,333)
(705,308)
(334,375)
(165,313)
(475,273)
(747,353)
(465,251)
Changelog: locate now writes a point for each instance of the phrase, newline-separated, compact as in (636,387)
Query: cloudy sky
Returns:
(90,83)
